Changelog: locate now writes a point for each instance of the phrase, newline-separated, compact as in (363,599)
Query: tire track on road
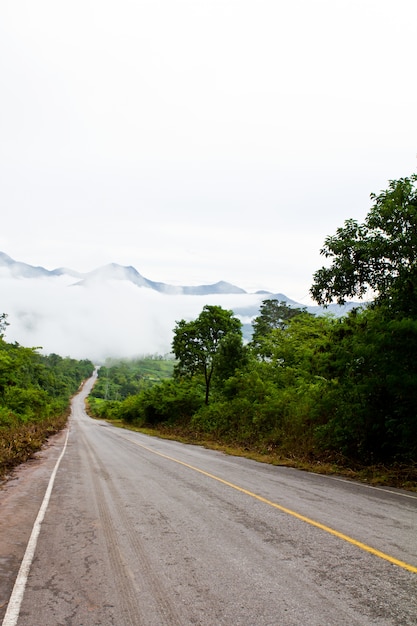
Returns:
(144,584)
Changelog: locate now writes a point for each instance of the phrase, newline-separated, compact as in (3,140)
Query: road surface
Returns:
(142,531)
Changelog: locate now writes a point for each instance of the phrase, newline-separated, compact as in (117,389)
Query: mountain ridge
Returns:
(114,271)
(117,272)
(114,311)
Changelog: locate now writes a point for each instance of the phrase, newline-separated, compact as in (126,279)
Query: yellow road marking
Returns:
(303,518)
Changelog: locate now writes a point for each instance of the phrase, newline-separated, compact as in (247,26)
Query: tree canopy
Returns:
(339,390)
(272,315)
(200,344)
(3,324)
(35,392)
(379,255)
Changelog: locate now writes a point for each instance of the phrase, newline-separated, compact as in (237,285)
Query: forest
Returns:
(35,393)
(315,388)
(307,390)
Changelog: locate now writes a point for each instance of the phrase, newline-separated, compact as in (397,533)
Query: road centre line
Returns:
(303,518)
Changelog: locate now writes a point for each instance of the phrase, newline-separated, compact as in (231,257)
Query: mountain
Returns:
(23,270)
(113,271)
(113,310)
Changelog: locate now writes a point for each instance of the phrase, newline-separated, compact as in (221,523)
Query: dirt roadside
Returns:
(21,495)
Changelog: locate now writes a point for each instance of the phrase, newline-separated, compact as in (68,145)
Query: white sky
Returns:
(200,140)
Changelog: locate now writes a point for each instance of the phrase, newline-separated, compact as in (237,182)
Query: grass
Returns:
(397,476)
(19,442)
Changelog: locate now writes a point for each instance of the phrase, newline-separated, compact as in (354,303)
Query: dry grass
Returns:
(19,443)
(397,476)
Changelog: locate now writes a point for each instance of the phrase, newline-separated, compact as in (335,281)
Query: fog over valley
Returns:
(112,311)
(99,318)
(196,141)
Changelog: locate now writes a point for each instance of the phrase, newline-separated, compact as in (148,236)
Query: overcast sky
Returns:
(200,140)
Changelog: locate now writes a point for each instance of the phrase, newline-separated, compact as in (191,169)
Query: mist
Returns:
(107,319)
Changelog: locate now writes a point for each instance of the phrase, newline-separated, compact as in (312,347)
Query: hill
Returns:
(112,311)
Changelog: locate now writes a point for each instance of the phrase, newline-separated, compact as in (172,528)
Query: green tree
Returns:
(3,324)
(167,402)
(197,344)
(272,315)
(379,255)
(231,354)
(372,361)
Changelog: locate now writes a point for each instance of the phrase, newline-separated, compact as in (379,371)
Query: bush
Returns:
(170,401)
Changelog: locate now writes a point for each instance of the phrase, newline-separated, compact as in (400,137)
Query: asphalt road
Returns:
(143,531)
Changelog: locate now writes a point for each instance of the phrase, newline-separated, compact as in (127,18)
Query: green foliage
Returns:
(29,403)
(34,386)
(166,402)
(372,353)
(330,388)
(379,254)
(231,354)
(125,390)
(202,344)
(373,360)
(285,391)
(104,409)
(119,379)
(295,347)
(272,315)
(320,388)
(35,391)
(3,324)
(169,402)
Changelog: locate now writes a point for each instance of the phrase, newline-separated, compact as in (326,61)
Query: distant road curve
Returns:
(143,531)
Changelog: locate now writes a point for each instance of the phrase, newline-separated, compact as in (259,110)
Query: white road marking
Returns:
(360,484)
(13,608)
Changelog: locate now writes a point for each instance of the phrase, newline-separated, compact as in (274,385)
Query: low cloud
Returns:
(107,319)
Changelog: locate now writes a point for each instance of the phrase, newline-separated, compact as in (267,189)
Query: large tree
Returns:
(378,257)
(200,345)
(272,315)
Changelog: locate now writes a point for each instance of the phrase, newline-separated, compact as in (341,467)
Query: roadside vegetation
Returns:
(119,380)
(324,393)
(35,392)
